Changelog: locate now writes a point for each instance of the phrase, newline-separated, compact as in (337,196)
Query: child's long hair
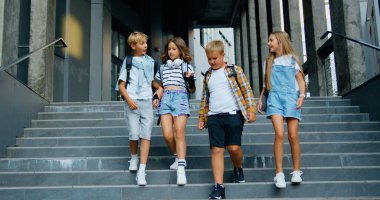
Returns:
(183,49)
(285,44)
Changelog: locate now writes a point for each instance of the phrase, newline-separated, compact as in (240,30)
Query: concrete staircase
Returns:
(77,151)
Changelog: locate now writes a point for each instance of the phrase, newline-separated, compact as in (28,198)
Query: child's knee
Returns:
(217,150)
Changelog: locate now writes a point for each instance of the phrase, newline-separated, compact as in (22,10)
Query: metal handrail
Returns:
(351,39)
(63,44)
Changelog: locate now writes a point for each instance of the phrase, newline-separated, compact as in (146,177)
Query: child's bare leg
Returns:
(236,155)
(278,124)
(294,142)
(133,145)
(167,131)
(180,140)
(217,164)
(144,151)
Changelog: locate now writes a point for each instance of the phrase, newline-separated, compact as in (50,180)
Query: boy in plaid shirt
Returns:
(227,101)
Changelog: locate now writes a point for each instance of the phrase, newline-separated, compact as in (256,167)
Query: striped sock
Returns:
(181,163)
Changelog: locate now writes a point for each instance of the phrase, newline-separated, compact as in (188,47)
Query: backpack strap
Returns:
(234,74)
(128,67)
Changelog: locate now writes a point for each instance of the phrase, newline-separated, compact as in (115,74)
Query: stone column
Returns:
(263,32)
(358,72)
(238,57)
(315,26)
(245,46)
(42,31)
(100,51)
(254,63)
(276,15)
(9,33)
(295,27)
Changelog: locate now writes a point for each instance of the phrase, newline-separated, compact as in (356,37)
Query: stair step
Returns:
(100,121)
(252,148)
(347,189)
(157,130)
(164,177)
(115,108)
(193,162)
(195,139)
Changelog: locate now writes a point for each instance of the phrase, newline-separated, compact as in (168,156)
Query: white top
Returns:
(286,60)
(222,98)
(146,89)
(174,76)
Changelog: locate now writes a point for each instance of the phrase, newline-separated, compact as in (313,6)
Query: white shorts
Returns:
(139,121)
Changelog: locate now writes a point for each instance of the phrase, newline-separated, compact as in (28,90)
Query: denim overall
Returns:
(283,96)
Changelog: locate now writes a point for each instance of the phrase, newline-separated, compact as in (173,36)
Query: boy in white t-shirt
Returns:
(227,101)
(137,94)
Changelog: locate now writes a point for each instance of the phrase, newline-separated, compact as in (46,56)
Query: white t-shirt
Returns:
(222,98)
(286,60)
(146,89)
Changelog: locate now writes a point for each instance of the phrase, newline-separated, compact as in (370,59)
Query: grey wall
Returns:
(367,98)
(18,106)
(73,24)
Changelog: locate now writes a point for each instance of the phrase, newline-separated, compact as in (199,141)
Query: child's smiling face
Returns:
(273,44)
(173,51)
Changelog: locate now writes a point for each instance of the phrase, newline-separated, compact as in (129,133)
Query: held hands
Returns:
(156,97)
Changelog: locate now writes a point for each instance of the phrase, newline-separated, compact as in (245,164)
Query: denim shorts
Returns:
(283,104)
(139,121)
(174,102)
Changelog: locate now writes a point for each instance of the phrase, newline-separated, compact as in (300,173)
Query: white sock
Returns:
(134,157)
(142,167)
(181,163)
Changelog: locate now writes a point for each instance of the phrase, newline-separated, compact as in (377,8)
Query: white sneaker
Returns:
(133,164)
(279,180)
(140,178)
(174,166)
(181,176)
(296,176)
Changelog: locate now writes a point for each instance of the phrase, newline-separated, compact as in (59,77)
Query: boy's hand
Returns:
(251,117)
(132,104)
(201,125)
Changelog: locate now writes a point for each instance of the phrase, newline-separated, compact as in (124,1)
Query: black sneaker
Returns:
(217,192)
(238,175)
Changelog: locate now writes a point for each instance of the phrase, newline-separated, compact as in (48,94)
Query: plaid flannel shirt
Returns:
(243,95)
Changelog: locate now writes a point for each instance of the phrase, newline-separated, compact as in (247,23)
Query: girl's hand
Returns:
(201,125)
(259,105)
(300,102)
(155,103)
(132,104)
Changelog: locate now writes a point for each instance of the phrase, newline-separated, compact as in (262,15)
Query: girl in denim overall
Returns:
(284,80)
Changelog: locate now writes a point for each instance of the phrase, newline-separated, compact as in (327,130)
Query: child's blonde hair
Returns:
(136,37)
(183,49)
(215,45)
(285,44)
